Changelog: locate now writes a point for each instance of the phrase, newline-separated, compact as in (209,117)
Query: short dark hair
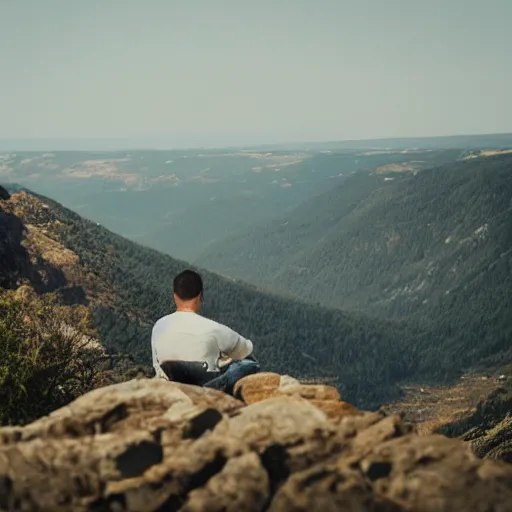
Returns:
(188,285)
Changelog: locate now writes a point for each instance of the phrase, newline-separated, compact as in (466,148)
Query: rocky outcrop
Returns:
(154,445)
(23,257)
(262,386)
(4,195)
(13,256)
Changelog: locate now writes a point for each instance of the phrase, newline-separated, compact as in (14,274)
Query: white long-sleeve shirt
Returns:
(187,336)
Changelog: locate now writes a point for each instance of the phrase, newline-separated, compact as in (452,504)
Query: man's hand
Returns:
(224,361)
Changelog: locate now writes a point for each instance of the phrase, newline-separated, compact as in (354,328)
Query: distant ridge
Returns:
(470,141)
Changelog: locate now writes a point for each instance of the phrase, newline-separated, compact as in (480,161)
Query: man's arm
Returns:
(233,344)
(156,365)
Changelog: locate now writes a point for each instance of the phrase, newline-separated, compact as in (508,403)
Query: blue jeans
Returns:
(233,373)
(196,373)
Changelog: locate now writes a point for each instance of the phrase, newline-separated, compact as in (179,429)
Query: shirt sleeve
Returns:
(158,370)
(233,344)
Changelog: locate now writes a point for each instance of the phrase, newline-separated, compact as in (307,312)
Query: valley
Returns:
(434,247)
(126,288)
(389,280)
(180,202)
(256,256)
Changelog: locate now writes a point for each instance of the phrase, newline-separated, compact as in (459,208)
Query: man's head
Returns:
(188,290)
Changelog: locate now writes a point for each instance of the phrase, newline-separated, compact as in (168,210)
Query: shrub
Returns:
(44,363)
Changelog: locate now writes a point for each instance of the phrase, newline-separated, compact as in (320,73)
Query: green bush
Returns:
(44,364)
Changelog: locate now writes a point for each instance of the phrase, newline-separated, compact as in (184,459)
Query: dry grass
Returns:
(431,406)
(42,241)
(37,241)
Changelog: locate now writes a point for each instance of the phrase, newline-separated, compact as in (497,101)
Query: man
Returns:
(192,349)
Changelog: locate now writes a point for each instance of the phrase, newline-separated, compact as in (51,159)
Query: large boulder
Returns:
(154,445)
(260,386)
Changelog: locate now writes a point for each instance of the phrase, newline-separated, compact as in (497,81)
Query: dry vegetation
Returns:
(38,242)
(489,152)
(429,407)
(412,166)
(46,250)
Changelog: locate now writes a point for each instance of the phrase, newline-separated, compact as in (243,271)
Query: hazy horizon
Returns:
(119,144)
(175,74)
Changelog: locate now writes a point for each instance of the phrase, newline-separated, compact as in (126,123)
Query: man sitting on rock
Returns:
(192,349)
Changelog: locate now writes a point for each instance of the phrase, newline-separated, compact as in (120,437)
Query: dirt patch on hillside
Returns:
(412,166)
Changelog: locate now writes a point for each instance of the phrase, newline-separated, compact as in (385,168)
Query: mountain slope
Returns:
(262,253)
(489,428)
(127,287)
(435,247)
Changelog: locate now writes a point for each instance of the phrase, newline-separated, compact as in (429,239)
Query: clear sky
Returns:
(226,72)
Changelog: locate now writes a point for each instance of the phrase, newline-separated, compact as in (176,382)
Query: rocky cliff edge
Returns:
(153,445)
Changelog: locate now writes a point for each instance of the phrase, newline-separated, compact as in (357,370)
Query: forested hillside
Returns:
(435,247)
(127,287)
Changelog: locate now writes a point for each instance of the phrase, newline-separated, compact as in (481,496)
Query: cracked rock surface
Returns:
(154,445)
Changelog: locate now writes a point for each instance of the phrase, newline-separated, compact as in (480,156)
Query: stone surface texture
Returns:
(154,445)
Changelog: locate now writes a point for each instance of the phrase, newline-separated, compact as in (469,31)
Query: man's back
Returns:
(187,336)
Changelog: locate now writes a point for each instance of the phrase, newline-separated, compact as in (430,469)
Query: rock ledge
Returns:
(154,445)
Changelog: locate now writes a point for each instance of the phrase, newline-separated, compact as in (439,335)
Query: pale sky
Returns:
(226,72)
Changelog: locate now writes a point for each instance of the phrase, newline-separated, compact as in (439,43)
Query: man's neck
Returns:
(185,310)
